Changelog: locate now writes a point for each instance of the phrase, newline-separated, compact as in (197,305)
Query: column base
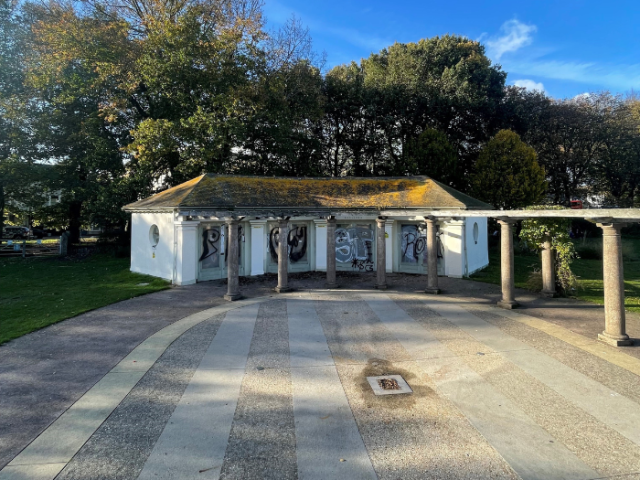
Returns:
(432,290)
(380,287)
(621,341)
(331,286)
(282,289)
(548,294)
(233,298)
(510,305)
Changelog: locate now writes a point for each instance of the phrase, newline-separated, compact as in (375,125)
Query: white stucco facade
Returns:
(186,249)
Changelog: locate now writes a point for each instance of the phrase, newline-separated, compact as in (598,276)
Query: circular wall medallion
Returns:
(154,235)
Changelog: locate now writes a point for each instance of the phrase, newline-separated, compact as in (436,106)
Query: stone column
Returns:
(233,283)
(432,257)
(331,253)
(614,315)
(548,268)
(381,268)
(506,265)
(283,256)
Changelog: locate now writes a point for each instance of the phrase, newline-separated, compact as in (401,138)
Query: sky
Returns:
(562,47)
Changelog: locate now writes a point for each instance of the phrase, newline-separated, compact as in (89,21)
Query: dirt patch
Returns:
(377,367)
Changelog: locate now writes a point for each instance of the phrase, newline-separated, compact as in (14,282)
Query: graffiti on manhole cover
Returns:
(389,385)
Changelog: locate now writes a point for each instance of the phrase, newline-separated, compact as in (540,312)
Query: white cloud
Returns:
(529,84)
(515,35)
(614,76)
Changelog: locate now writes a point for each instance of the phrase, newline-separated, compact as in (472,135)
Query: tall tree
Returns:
(507,174)
(431,154)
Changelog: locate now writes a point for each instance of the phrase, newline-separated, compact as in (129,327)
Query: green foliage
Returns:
(127,98)
(534,232)
(431,154)
(507,174)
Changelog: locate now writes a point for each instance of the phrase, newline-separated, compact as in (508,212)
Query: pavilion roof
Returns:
(236,192)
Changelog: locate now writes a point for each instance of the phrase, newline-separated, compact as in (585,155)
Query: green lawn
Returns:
(588,271)
(36,292)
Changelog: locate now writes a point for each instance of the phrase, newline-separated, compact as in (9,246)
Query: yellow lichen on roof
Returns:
(229,191)
(173,196)
(310,192)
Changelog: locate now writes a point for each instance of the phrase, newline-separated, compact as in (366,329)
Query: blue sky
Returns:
(565,47)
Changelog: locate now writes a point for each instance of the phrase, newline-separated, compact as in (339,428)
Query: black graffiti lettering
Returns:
(209,239)
(297,242)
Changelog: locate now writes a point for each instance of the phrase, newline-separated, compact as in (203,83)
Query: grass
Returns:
(36,292)
(588,271)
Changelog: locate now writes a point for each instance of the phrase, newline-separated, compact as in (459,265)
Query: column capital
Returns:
(283,222)
(507,220)
(233,220)
(610,228)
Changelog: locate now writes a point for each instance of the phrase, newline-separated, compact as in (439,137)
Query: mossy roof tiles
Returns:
(341,193)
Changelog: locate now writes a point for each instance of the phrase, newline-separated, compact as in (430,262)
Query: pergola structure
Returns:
(611,221)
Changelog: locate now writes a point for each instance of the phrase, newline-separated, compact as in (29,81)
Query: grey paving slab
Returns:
(596,444)
(329,445)
(408,437)
(57,445)
(122,444)
(33,472)
(194,441)
(262,443)
(614,410)
(66,435)
(43,373)
(528,448)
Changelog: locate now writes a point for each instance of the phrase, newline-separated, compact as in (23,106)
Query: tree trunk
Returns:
(75,209)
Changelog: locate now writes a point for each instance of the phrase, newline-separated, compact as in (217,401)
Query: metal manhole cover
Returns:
(389,385)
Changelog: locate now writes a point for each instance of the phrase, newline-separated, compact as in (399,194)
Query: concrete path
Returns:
(274,387)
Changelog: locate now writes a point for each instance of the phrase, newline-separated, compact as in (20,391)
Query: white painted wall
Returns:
(186,248)
(175,257)
(389,245)
(454,248)
(320,227)
(157,261)
(477,251)
(258,246)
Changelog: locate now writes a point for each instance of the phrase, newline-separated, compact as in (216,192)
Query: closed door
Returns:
(298,247)
(412,249)
(355,250)
(213,247)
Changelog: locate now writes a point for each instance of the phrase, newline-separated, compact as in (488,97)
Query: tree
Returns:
(507,174)
(446,83)
(431,154)
(70,91)
(618,163)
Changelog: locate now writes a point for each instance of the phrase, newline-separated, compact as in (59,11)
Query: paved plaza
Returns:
(183,385)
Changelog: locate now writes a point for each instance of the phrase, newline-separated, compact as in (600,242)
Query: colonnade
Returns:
(233,285)
(615,329)
(613,275)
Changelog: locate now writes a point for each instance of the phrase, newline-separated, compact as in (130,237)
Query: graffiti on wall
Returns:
(211,246)
(210,257)
(354,246)
(413,244)
(296,243)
